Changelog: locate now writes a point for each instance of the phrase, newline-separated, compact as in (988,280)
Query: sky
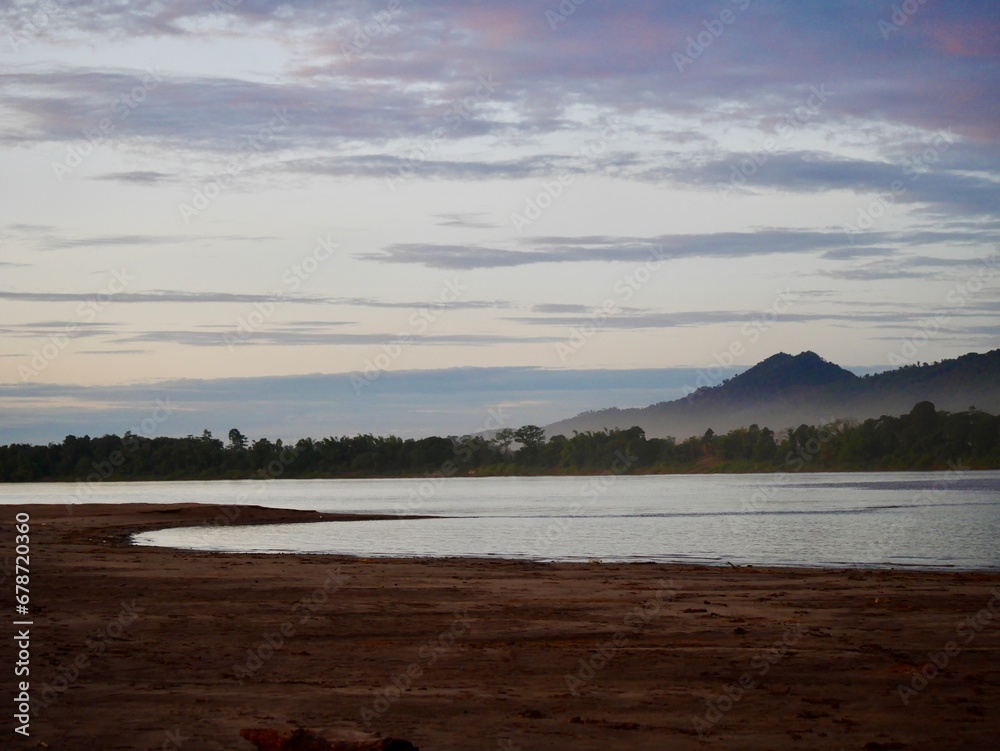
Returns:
(421,216)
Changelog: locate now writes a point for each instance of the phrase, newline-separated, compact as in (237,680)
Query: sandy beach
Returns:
(143,648)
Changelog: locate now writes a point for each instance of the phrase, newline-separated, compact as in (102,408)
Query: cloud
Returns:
(403,103)
(227,116)
(403,166)
(452,401)
(914,267)
(465,221)
(295,336)
(951,178)
(613,56)
(904,182)
(105,352)
(669,320)
(50,239)
(141,177)
(70,329)
(848,254)
(29,228)
(561,308)
(175,296)
(611,249)
(63,243)
(157,296)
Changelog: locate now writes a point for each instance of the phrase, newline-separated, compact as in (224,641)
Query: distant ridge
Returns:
(782,372)
(786,391)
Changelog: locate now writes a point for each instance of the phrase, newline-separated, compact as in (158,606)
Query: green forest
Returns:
(924,439)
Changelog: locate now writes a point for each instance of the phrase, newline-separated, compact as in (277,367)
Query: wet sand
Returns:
(143,648)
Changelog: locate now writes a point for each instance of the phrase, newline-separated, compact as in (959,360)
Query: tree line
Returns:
(923,439)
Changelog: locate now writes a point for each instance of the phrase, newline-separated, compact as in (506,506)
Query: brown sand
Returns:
(482,649)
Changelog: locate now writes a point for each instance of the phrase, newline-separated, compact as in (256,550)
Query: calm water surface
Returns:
(928,520)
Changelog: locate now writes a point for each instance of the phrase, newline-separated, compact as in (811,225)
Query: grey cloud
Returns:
(292,336)
(401,166)
(63,243)
(612,55)
(105,352)
(850,253)
(608,249)
(175,296)
(224,115)
(561,308)
(658,320)
(454,256)
(465,221)
(873,274)
(912,267)
(68,329)
(164,296)
(66,241)
(29,228)
(368,302)
(142,177)
(813,172)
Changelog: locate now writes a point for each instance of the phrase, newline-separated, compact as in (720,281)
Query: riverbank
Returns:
(712,466)
(139,648)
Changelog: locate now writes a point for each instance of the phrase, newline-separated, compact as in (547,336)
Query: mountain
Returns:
(786,391)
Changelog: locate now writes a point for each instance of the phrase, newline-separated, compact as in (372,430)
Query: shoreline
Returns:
(644,472)
(830,568)
(316,516)
(459,653)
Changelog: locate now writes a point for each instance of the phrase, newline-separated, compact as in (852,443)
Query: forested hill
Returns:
(791,390)
(923,438)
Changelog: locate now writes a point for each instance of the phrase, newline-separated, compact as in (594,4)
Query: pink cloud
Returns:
(503,26)
(965,37)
